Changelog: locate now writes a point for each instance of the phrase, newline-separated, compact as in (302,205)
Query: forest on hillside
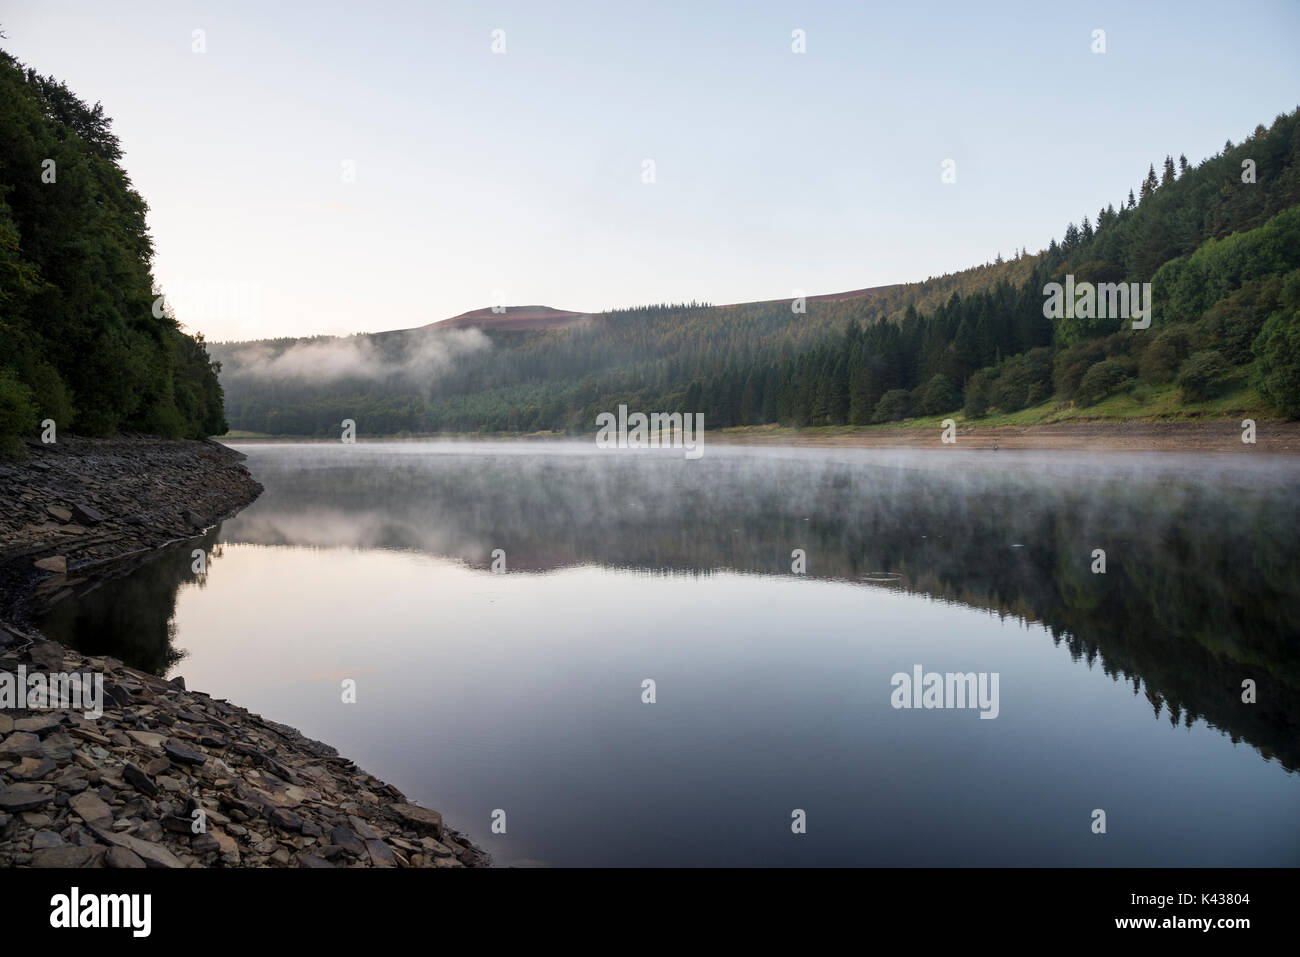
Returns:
(85,341)
(1219,244)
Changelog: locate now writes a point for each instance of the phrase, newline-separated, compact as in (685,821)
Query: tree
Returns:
(1149,184)
(1277,361)
(1201,376)
(939,395)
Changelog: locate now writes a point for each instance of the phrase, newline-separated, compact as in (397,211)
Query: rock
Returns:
(285,820)
(381,855)
(364,830)
(153,855)
(55,563)
(67,857)
(25,797)
(177,824)
(59,512)
(44,839)
(32,769)
(179,682)
(122,859)
(21,744)
(205,844)
(47,655)
(436,848)
(58,747)
(149,739)
(87,515)
(191,518)
(419,818)
(37,725)
(178,752)
(347,839)
(139,780)
(90,808)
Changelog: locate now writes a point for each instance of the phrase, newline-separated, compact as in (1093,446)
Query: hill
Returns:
(1211,252)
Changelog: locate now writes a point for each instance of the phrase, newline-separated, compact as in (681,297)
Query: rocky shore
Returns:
(165,776)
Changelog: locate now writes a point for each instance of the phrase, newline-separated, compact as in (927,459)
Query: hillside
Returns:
(1214,251)
(85,341)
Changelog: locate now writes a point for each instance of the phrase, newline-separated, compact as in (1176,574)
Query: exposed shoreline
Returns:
(123,789)
(1272,436)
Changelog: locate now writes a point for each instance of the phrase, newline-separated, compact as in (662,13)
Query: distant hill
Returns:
(514,317)
(1214,250)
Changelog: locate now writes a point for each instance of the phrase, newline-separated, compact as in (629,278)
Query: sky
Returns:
(332,168)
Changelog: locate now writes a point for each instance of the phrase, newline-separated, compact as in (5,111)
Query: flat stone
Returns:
(44,839)
(139,780)
(38,724)
(381,855)
(122,858)
(153,855)
(148,739)
(90,808)
(87,515)
(364,830)
(178,752)
(32,769)
(347,839)
(419,818)
(55,563)
(286,820)
(311,860)
(25,797)
(59,512)
(21,744)
(436,848)
(58,746)
(48,655)
(67,857)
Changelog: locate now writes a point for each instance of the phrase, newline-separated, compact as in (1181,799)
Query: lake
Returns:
(499,608)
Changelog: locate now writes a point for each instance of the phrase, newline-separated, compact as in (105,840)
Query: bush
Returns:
(939,395)
(1101,380)
(979,391)
(1277,362)
(1166,354)
(17,413)
(892,406)
(1201,376)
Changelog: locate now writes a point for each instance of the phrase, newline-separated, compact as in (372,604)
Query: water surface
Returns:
(522,691)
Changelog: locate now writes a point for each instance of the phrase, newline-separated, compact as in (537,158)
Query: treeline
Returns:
(1219,244)
(84,340)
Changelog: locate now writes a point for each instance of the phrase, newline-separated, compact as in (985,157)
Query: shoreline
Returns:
(1272,436)
(125,788)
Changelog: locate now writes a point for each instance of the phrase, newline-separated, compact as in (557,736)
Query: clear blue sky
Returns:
(522,172)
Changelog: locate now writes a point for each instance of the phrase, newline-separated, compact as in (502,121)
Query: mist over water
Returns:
(523,691)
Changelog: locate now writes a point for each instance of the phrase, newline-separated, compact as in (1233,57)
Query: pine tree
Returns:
(1169,171)
(1182,164)
(1149,184)
(1132,203)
